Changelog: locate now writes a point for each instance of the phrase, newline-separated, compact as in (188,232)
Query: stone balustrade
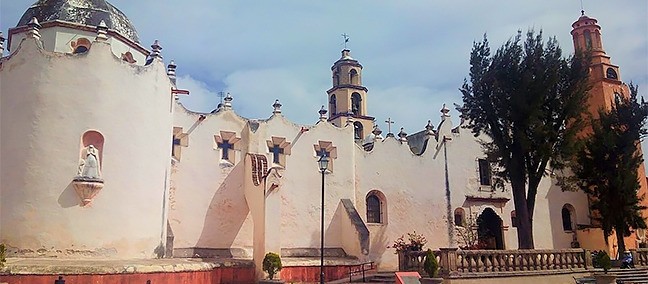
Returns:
(455,262)
(640,257)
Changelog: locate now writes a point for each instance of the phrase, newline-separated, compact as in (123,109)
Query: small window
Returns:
(376,209)
(588,39)
(611,74)
(514,221)
(459,219)
(353,77)
(484,172)
(568,217)
(333,105)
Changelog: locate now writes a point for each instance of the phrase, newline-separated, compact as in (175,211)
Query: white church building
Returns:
(100,160)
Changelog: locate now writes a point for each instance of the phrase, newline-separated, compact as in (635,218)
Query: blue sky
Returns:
(415,53)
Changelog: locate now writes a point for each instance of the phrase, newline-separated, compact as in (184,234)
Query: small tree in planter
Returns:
(271,264)
(431,267)
(603,260)
(3,255)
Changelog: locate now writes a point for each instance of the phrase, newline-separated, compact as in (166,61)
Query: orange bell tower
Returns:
(606,83)
(604,76)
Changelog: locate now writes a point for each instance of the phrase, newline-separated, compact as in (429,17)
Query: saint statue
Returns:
(89,166)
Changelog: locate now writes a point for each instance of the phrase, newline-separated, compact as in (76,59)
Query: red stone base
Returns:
(234,275)
(311,274)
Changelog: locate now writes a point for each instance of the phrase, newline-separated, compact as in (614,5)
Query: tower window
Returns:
(353,77)
(355,103)
(375,207)
(588,39)
(333,105)
(357,130)
(484,172)
(611,74)
(336,79)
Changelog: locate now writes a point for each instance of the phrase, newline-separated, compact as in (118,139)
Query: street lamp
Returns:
(323,165)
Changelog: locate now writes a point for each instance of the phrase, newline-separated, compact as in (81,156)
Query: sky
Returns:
(415,53)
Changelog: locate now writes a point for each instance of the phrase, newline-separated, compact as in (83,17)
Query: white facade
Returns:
(213,204)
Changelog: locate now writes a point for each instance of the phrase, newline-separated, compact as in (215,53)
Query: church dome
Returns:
(86,12)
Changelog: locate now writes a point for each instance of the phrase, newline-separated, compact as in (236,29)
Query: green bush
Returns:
(602,260)
(431,265)
(3,255)
(271,264)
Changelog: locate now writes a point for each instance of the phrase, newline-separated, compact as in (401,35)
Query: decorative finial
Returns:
(102,31)
(156,50)
(227,104)
(350,120)
(34,28)
(2,40)
(376,131)
(445,112)
(402,135)
(171,71)
(277,107)
(322,112)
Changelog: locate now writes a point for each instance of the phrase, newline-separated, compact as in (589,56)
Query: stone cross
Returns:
(389,124)
(225,147)
(180,140)
(278,146)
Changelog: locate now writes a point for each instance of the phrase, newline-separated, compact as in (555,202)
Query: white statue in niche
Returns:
(89,166)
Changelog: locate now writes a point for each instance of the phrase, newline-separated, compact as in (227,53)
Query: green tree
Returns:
(522,98)
(607,166)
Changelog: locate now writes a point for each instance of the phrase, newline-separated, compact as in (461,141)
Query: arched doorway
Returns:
(490,230)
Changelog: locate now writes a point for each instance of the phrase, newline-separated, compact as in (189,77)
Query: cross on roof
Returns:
(346,39)
(389,124)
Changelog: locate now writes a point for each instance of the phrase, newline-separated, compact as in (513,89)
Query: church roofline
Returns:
(351,62)
(77,26)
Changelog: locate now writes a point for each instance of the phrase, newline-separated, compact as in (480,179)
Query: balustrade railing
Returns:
(640,257)
(457,262)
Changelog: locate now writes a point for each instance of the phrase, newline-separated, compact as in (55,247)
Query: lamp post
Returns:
(323,165)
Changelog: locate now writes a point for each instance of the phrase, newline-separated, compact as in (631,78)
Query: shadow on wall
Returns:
(378,244)
(69,197)
(227,212)
(555,198)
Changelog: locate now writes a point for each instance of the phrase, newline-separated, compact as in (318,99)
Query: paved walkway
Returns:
(41,266)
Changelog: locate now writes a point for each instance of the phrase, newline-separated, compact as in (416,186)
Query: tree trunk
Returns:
(518,186)
(620,242)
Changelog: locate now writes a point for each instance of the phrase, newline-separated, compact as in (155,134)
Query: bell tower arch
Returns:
(347,99)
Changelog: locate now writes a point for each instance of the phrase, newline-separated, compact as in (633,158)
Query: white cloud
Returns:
(201,99)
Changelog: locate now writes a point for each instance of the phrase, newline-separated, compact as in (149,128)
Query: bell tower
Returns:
(347,99)
(604,76)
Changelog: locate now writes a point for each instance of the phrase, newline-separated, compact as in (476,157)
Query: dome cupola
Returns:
(84,12)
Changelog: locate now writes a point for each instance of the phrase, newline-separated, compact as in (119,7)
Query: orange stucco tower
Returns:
(606,83)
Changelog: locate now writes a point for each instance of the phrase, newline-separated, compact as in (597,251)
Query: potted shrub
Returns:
(603,261)
(271,265)
(431,267)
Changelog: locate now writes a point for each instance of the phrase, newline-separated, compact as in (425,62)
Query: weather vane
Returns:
(346,39)
(582,9)
(389,124)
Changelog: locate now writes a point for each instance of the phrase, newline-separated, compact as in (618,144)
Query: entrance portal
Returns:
(489,230)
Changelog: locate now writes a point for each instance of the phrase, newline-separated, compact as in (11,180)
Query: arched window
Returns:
(375,207)
(513,219)
(333,105)
(611,74)
(459,217)
(484,172)
(568,217)
(588,39)
(336,78)
(353,77)
(356,100)
(357,130)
